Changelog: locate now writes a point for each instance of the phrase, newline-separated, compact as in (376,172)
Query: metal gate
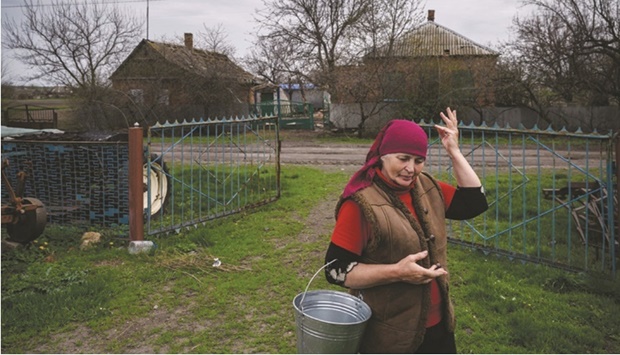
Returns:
(552,195)
(202,170)
(30,116)
(293,115)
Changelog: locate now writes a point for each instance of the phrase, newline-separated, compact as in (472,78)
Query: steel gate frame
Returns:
(538,182)
(214,168)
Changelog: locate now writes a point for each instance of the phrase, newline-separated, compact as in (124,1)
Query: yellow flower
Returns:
(42,247)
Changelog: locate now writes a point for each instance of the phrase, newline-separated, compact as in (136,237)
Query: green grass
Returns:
(198,193)
(521,220)
(505,307)
(59,298)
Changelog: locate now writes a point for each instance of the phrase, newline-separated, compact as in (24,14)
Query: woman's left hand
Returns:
(449,133)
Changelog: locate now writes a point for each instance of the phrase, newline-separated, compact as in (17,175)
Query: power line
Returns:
(102,2)
(61,4)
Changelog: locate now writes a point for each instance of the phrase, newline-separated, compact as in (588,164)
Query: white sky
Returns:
(484,21)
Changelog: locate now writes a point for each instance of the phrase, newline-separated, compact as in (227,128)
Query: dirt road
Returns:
(307,152)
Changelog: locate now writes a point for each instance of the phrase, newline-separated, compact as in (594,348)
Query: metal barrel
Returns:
(329,322)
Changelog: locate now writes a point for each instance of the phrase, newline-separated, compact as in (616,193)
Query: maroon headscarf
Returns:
(398,136)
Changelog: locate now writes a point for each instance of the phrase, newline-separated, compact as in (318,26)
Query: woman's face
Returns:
(402,168)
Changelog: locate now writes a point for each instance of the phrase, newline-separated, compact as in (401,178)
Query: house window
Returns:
(137,95)
(164,97)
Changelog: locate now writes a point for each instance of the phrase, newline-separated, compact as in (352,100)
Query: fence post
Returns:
(136,188)
(28,118)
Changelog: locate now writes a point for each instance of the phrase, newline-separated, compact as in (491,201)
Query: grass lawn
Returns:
(57,298)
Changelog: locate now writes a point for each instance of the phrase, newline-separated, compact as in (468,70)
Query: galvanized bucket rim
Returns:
(359,303)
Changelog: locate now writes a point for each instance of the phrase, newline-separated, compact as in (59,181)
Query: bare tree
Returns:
(517,86)
(574,47)
(380,80)
(327,42)
(7,79)
(71,43)
(371,87)
(319,31)
(385,23)
(216,40)
(277,61)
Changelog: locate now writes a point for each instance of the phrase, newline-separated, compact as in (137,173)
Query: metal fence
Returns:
(293,115)
(77,181)
(552,196)
(211,169)
(30,116)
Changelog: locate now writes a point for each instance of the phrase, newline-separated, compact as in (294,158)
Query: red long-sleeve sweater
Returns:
(352,233)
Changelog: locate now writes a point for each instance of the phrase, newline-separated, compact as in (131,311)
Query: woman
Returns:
(389,242)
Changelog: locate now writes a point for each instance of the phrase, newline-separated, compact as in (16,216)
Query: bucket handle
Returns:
(301,303)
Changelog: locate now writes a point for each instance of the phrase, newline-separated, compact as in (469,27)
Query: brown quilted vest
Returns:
(399,310)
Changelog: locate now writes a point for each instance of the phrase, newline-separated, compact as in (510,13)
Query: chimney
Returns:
(431,15)
(189,41)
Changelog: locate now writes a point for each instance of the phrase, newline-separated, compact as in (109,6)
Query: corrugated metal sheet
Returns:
(432,39)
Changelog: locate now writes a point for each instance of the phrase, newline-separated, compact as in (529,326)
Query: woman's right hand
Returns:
(410,271)
(406,270)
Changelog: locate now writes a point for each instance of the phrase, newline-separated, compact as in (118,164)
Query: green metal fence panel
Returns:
(551,194)
(210,169)
(293,115)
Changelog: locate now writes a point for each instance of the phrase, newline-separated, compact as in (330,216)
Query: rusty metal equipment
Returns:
(587,203)
(24,217)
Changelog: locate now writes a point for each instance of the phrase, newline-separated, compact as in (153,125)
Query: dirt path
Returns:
(138,332)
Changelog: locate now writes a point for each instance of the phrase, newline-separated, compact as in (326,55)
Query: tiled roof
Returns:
(433,39)
(200,61)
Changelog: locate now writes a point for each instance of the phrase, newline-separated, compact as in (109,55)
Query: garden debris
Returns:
(89,239)
(141,246)
(198,262)
(7,245)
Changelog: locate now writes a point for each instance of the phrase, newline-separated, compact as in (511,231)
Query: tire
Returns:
(160,186)
(30,224)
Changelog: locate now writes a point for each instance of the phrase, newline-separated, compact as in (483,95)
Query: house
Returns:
(442,56)
(434,40)
(171,81)
(294,92)
(308,93)
(429,63)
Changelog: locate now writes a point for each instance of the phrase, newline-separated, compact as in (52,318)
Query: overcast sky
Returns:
(484,21)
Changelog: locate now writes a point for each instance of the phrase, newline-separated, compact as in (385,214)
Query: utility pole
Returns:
(147,19)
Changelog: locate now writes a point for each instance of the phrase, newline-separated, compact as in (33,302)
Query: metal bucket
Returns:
(329,322)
